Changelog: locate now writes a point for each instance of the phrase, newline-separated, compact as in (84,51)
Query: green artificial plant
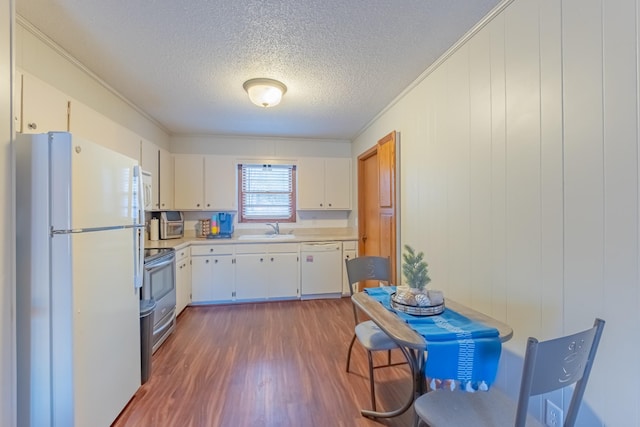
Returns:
(415,268)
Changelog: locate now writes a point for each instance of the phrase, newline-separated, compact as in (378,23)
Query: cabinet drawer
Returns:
(211,250)
(278,248)
(349,245)
(251,248)
(182,254)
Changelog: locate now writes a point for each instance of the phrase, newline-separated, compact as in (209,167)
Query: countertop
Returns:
(301,235)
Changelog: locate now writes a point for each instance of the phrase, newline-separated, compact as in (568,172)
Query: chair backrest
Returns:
(555,364)
(367,268)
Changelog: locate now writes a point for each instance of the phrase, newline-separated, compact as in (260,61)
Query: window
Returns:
(267,193)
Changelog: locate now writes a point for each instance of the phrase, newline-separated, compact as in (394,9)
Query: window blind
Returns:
(267,192)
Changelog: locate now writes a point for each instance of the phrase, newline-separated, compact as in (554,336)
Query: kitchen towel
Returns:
(154,229)
(460,350)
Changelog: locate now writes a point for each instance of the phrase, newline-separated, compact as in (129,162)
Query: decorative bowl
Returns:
(416,310)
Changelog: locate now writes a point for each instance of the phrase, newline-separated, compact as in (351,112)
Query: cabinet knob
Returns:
(210,249)
(198,205)
(271,259)
(261,259)
(330,205)
(320,204)
(207,262)
(208,204)
(215,261)
(32,126)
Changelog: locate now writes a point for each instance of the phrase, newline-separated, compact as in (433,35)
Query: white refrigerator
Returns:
(80,261)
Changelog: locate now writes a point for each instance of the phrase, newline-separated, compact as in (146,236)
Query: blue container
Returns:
(225,223)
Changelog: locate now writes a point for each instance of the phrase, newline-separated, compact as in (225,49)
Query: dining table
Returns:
(412,344)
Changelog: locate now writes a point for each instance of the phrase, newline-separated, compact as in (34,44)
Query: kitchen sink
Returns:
(270,237)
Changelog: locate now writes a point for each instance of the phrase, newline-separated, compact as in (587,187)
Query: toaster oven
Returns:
(171,225)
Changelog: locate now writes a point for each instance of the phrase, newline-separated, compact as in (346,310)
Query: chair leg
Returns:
(371,381)
(349,353)
(388,357)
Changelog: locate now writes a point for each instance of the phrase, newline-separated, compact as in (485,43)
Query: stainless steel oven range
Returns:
(159,284)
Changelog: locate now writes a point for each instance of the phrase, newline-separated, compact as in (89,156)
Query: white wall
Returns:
(260,147)
(7,234)
(519,180)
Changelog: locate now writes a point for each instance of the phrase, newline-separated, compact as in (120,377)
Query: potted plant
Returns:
(413,297)
(414,269)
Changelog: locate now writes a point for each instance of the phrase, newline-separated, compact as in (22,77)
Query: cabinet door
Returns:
(337,183)
(223,277)
(87,123)
(251,276)
(165,172)
(149,153)
(219,183)
(17,101)
(183,284)
(283,275)
(44,108)
(310,173)
(189,181)
(201,274)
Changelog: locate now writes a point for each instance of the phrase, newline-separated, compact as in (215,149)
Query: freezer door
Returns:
(91,186)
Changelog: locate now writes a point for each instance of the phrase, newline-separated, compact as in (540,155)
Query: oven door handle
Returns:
(155,265)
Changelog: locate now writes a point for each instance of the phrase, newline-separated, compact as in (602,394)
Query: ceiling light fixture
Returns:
(265,92)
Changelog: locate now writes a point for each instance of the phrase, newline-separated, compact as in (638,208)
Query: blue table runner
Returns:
(462,352)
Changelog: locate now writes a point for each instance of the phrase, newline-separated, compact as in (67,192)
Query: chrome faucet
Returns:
(276,227)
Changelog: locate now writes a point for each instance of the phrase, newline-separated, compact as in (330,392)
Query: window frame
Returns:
(241,216)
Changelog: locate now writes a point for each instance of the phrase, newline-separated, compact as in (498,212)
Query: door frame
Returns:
(393,138)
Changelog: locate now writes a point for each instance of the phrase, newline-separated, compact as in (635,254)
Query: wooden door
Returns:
(376,201)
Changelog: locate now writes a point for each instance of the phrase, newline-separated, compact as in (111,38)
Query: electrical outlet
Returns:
(553,415)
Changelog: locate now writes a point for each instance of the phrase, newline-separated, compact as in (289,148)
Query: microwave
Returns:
(171,225)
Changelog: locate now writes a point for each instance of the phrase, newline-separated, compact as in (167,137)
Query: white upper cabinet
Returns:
(149,153)
(17,101)
(204,182)
(86,123)
(44,108)
(189,181)
(166,179)
(220,183)
(324,183)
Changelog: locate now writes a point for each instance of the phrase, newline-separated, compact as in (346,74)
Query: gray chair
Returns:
(548,366)
(368,333)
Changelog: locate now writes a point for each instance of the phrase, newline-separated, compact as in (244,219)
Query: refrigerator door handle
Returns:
(138,235)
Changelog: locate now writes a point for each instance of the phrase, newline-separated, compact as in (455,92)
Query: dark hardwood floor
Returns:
(265,364)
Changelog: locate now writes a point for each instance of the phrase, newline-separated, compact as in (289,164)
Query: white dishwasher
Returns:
(321,270)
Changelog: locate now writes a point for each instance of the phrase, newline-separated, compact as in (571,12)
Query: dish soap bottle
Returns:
(214,224)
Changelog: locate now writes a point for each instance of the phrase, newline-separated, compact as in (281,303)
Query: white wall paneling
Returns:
(619,290)
(457,156)
(524,146)
(480,169)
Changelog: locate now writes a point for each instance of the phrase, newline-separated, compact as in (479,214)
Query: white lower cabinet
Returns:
(212,273)
(267,271)
(349,251)
(183,279)
(284,270)
(251,276)
(245,272)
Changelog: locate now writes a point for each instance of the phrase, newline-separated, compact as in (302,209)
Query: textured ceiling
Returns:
(184,62)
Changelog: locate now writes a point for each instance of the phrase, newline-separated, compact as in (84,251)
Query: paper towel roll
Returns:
(154,229)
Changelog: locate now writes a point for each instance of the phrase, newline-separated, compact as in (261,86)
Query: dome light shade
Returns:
(265,92)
